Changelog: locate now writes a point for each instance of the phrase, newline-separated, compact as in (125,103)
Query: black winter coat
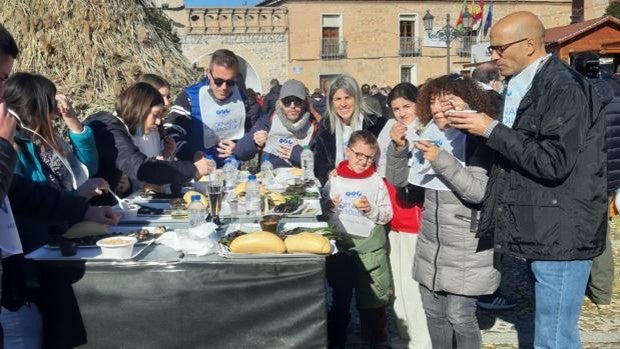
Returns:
(269,102)
(323,145)
(546,197)
(118,155)
(8,158)
(611,110)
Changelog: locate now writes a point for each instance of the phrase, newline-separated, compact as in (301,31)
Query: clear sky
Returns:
(218,3)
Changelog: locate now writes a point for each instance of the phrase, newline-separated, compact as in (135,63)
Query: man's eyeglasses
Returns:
(501,48)
(218,82)
(361,156)
(298,102)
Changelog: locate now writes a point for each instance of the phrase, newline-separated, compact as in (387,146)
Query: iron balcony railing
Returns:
(333,48)
(410,46)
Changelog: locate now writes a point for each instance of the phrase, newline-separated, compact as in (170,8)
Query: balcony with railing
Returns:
(410,46)
(333,48)
(464,49)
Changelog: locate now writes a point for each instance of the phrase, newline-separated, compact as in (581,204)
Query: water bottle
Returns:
(266,168)
(230,175)
(234,162)
(213,174)
(307,163)
(196,212)
(252,196)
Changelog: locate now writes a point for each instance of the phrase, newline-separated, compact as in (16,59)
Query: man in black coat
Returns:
(487,75)
(600,285)
(269,104)
(546,198)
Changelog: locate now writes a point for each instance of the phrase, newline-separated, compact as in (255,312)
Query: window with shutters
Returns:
(409,42)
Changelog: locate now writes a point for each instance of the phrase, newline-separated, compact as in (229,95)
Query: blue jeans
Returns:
(559,288)
(451,317)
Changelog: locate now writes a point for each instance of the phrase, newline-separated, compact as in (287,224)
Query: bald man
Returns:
(546,197)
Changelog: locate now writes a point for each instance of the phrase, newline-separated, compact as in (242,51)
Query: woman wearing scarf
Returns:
(346,113)
(42,156)
(284,133)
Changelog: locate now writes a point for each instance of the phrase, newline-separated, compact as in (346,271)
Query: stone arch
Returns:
(251,77)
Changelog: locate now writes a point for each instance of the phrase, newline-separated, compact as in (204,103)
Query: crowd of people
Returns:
(428,186)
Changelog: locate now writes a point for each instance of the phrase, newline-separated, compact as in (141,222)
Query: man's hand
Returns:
(225,148)
(204,167)
(430,151)
(472,123)
(285,151)
(362,204)
(102,214)
(398,134)
(260,138)
(7,124)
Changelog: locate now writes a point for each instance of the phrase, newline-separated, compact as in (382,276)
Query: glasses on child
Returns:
(298,102)
(361,156)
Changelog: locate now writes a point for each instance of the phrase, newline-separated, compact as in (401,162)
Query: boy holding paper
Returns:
(358,205)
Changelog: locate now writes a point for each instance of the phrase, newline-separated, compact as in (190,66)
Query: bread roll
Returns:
(86,228)
(258,242)
(306,242)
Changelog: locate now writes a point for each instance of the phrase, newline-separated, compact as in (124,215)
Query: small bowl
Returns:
(117,247)
(270,223)
(68,247)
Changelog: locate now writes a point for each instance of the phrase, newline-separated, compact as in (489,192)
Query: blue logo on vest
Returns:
(222,112)
(353,194)
(286,141)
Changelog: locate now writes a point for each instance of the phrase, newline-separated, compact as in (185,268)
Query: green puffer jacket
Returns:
(373,278)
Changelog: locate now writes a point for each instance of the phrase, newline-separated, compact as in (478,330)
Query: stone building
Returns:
(377,42)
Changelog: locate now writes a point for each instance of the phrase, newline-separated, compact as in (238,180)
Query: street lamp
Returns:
(448,33)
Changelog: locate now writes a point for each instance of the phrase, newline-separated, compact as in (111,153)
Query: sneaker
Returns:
(495,302)
(603,309)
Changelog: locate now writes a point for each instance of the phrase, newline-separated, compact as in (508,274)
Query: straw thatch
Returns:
(92,49)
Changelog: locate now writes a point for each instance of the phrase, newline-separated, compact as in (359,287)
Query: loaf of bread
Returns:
(306,242)
(258,242)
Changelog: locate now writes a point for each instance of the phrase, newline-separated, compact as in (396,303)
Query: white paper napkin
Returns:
(196,240)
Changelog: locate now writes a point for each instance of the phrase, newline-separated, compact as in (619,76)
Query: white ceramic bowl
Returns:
(117,247)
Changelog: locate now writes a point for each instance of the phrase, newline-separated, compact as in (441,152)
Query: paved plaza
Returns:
(514,328)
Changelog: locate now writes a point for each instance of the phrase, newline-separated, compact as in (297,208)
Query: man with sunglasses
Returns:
(285,132)
(208,117)
(546,198)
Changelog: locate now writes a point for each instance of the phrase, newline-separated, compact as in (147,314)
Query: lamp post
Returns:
(448,33)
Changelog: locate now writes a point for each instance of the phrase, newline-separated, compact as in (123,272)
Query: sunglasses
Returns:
(218,82)
(501,48)
(298,102)
(361,156)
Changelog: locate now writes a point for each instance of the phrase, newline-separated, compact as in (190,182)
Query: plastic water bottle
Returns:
(230,175)
(234,162)
(212,175)
(266,168)
(196,212)
(307,163)
(252,196)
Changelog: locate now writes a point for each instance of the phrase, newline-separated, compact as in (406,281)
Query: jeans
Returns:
(22,328)
(451,318)
(559,287)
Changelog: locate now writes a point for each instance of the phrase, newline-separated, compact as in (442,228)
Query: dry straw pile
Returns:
(92,49)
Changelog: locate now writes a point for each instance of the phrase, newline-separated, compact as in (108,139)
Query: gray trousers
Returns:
(600,284)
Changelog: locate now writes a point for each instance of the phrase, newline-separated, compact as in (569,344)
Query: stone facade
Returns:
(259,37)
(285,40)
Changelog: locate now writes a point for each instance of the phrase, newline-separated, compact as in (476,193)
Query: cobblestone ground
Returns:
(514,328)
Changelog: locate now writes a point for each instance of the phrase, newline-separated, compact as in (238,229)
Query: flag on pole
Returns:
(459,20)
(487,22)
(476,13)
